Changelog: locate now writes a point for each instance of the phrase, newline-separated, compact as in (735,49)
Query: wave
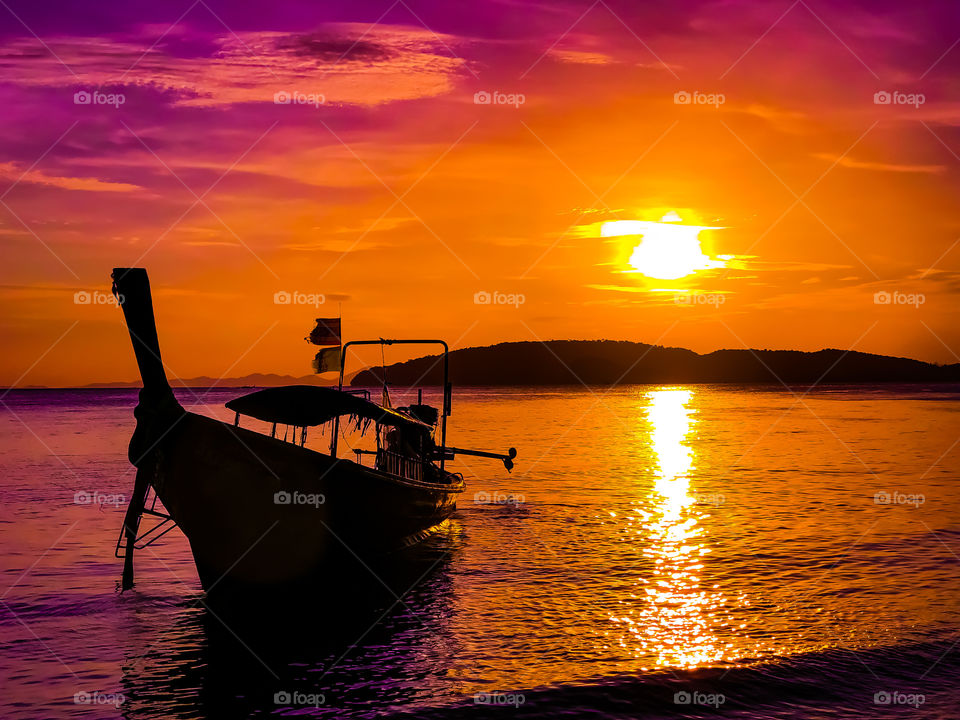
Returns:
(916,680)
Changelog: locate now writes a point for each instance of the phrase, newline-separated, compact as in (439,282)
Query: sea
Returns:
(685,551)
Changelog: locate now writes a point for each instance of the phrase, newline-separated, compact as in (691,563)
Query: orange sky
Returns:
(390,191)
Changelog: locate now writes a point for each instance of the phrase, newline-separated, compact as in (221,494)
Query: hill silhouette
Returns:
(609,362)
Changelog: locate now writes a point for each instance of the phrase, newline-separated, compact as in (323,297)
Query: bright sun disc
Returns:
(667,250)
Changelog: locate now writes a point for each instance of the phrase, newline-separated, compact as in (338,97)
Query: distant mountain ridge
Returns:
(608,362)
(253,380)
(612,362)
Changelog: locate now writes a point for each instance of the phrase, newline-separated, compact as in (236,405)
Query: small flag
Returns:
(327,360)
(327,332)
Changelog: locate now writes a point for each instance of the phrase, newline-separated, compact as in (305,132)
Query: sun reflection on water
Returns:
(673,621)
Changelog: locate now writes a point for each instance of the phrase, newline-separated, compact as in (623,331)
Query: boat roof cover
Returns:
(308,405)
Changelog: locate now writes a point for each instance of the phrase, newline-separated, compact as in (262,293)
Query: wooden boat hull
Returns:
(259,511)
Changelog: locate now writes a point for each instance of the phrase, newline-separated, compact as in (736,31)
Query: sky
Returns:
(695,174)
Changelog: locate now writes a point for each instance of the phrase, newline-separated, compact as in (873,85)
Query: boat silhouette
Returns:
(260,511)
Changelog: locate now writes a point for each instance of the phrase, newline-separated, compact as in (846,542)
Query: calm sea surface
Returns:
(694,551)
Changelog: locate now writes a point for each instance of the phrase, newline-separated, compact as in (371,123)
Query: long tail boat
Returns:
(261,511)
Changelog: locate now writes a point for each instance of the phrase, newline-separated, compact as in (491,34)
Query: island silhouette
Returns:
(611,362)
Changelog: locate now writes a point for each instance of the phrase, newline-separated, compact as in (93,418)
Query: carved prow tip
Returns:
(158,407)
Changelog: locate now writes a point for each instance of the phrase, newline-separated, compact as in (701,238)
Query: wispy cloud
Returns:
(347,63)
(849,162)
(11,171)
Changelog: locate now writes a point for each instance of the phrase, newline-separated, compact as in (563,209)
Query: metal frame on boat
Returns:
(447,390)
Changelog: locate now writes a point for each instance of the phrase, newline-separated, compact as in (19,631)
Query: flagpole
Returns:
(336,420)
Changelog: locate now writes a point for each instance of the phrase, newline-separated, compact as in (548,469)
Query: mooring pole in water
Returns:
(131,523)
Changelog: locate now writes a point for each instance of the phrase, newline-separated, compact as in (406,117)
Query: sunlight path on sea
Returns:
(672,616)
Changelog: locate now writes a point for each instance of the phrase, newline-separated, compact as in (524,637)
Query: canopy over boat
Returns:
(309,405)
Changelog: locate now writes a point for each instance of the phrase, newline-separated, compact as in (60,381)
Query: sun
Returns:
(668,249)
